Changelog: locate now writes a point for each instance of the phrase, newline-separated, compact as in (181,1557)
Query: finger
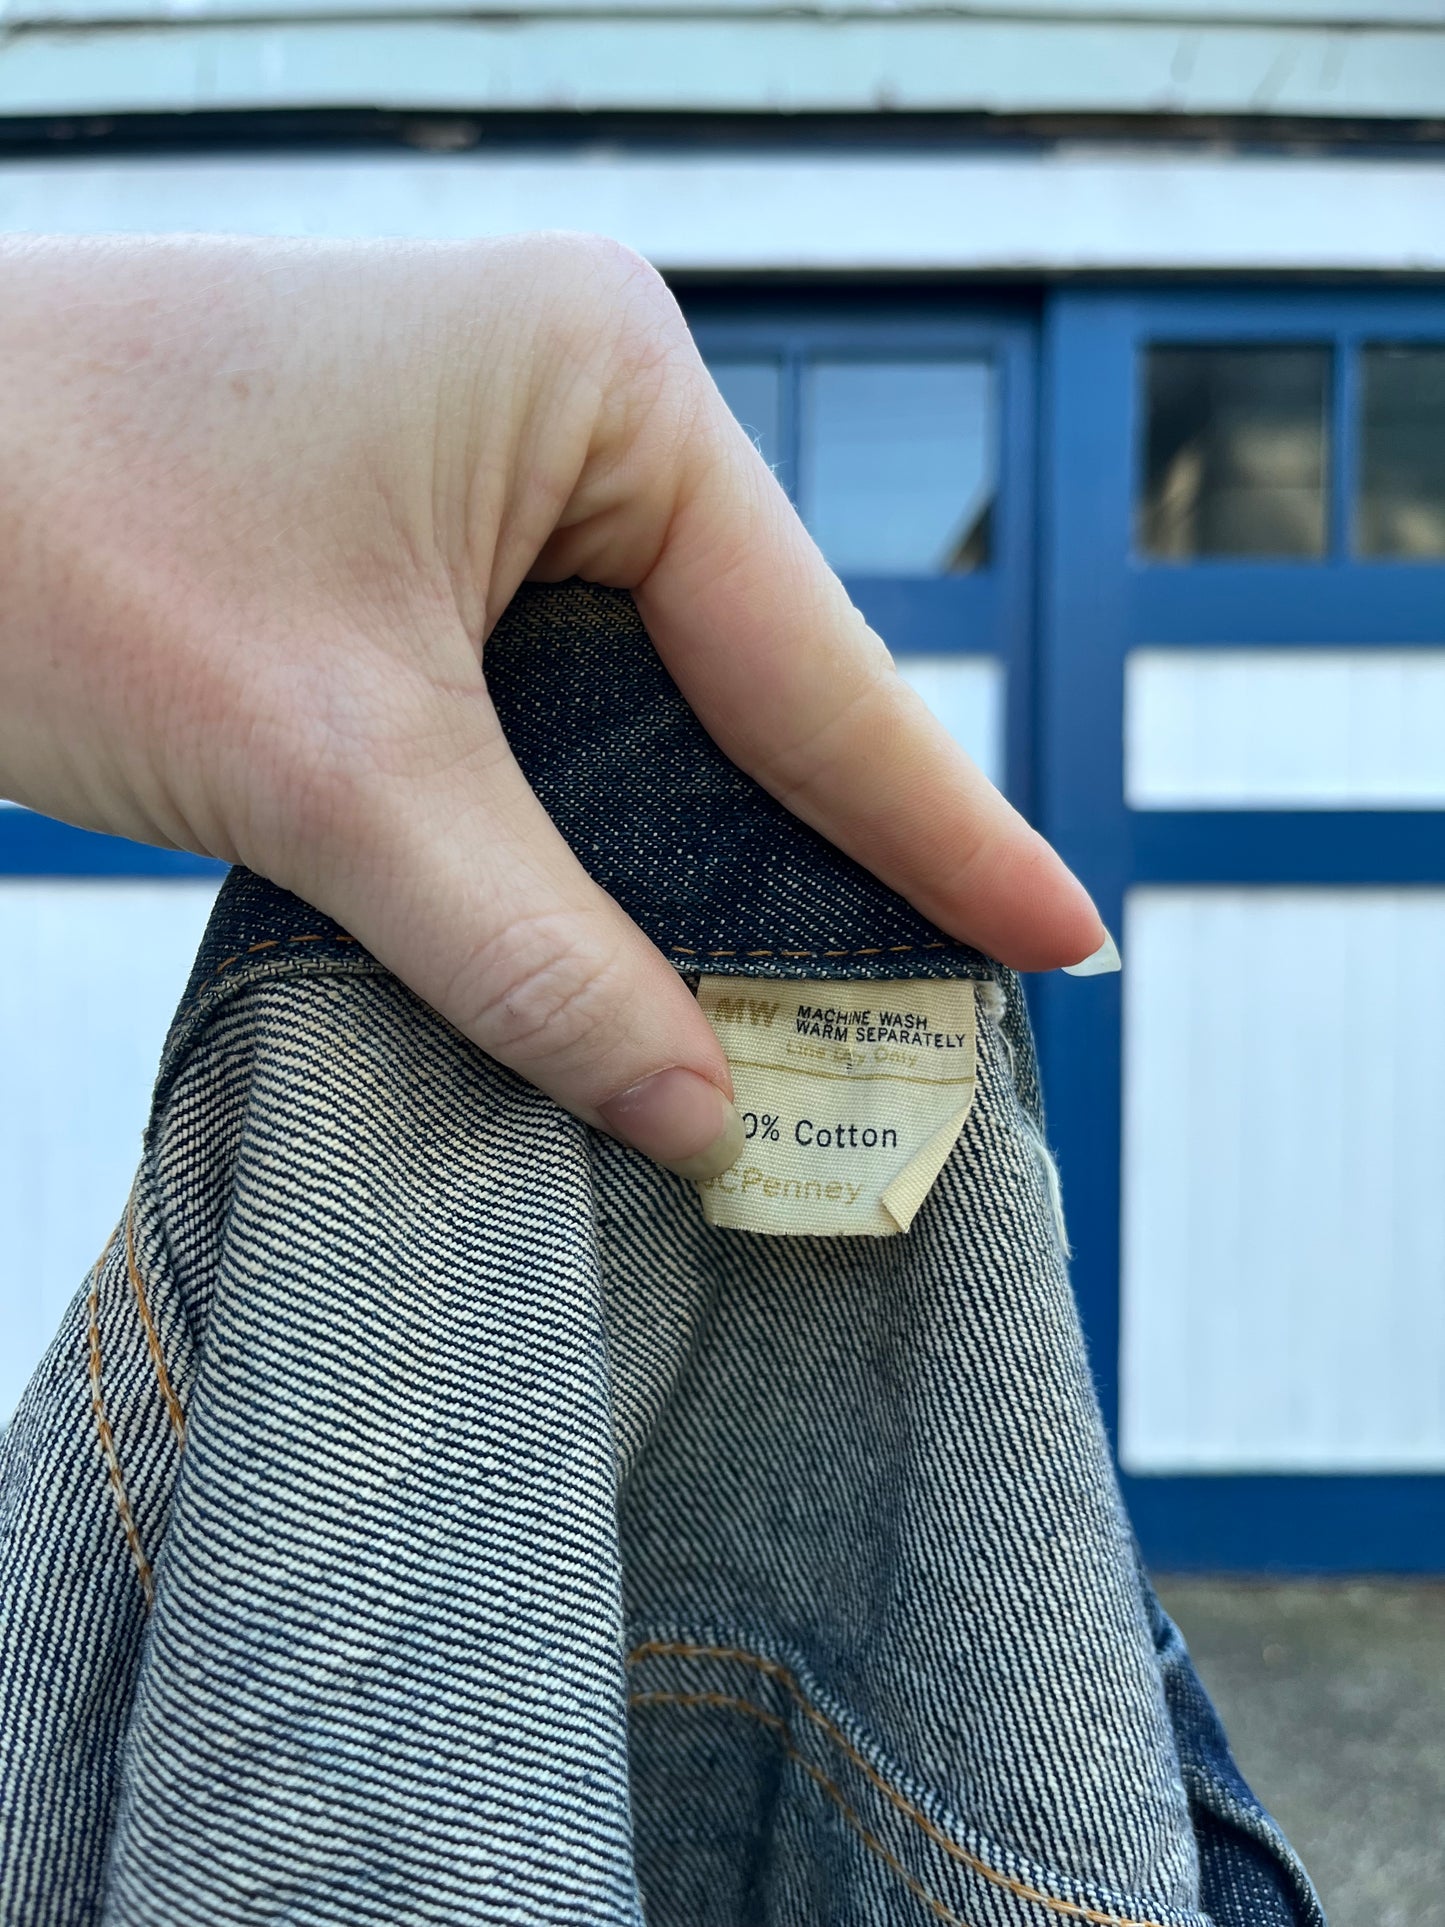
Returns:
(456,879)
(762,639)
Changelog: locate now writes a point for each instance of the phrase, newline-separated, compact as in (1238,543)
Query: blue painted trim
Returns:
(1360,847)
(1016,527)
(921,320)
(1204,311)
(38,846)
(1357,605)
(790,422)
(953,615)
(1344,448)
(1089,430)
(1320,1523)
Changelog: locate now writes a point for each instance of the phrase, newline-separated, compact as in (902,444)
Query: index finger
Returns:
(761,637)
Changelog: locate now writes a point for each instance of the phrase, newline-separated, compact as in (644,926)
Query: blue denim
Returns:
(422,1515)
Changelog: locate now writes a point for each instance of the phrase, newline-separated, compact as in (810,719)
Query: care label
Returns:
(852,1096)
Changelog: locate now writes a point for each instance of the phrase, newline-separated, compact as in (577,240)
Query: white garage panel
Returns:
(1242,729)
(1063,211)
(966,693)
(90,976)
(1284,1210)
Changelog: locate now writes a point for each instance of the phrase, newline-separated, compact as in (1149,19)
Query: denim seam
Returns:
(680,949)
(107,1436)
(835,1793)
(196,1011)
(679,1649)
(270,943)
(191,1012)
(174,1411)
(873,950)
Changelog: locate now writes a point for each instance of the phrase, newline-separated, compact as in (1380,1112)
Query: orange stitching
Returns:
(873,950)
(833,1791)
(270,943)
(163,1379)
(107,1441)
(678,949)
(681,1650)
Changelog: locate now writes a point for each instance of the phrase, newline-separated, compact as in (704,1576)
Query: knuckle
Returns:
(540,991)
(621,282)
(647,327)
(623,267)
(613,317)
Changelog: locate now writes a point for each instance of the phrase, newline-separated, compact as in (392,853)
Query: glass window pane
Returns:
(1401,510)
(1235,451)
(899,464)
(753,391)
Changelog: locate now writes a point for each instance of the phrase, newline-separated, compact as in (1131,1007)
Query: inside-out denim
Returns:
(423,1515)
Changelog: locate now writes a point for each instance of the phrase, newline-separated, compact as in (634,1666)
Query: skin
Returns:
(263,504)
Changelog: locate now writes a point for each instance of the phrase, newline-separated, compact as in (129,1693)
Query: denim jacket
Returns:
(424,1516)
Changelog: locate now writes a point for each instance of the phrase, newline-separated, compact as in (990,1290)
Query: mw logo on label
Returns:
(745,1010)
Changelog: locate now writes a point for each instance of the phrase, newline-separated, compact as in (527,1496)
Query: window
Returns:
(897,460)
(1236,452)
(753,391)
(899,468)
(1400,510)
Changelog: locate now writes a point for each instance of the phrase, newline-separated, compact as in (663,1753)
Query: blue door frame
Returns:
(1098,600)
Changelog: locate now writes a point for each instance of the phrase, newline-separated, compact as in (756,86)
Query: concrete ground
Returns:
(1333,1694)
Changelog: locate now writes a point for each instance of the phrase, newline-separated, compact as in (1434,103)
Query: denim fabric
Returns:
(422,1515)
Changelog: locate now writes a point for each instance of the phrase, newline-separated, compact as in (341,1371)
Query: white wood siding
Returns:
(1297,14)
(1284,1212)
(749,214)
(1284,729)
(1321,60)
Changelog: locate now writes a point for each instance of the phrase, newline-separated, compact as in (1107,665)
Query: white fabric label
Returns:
(852,1095)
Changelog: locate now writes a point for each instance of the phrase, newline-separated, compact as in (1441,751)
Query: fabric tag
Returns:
(852,1096)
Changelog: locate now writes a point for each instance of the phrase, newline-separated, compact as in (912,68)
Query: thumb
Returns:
(457,880)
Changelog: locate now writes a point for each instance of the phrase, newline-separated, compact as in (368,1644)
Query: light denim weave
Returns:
(423,1516)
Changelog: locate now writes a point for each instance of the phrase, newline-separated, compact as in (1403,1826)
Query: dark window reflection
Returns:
(1401,507)
(753,391)
(1236,451)
(900,464)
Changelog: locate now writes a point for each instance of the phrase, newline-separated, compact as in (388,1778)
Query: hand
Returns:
(263,503)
